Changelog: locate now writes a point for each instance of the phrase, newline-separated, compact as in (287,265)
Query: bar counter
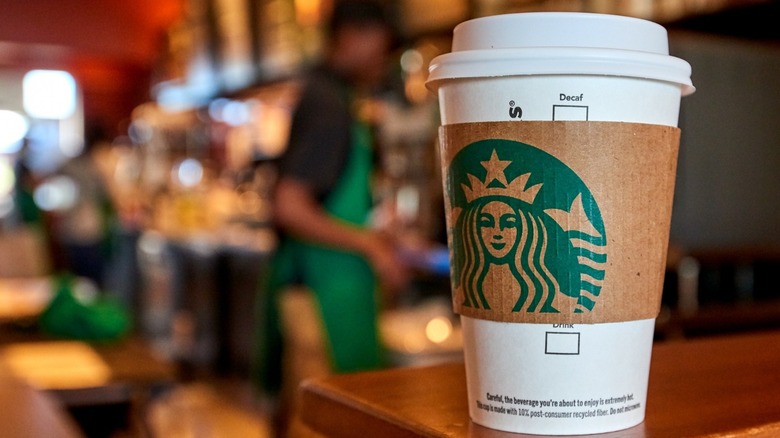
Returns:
(716,387)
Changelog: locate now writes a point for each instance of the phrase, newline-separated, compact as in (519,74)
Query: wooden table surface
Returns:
(709,387)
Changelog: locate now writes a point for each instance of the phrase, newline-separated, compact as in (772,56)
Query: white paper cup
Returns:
(560,376)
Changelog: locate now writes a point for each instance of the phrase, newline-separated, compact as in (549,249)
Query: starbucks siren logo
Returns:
(524,220)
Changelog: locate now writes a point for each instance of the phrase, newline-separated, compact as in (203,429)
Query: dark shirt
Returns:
(320,133)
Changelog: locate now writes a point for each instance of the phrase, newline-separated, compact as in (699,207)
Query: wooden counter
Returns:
(716,387)
(28,413)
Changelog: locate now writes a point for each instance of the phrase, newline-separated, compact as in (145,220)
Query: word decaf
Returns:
(568,98)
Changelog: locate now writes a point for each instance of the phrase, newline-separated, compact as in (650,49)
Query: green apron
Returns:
(342,282)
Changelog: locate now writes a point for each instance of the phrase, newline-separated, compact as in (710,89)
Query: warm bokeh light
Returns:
(438,329)
(308,12)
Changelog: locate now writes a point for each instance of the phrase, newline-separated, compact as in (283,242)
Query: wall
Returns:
(728,187)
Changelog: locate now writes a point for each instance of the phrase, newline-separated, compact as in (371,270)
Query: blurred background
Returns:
(138,141)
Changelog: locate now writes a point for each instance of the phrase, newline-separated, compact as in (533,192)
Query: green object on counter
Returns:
(101,319)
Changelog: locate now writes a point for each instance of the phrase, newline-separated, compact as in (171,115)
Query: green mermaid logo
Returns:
(527,222)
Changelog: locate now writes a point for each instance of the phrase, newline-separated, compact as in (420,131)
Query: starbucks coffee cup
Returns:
(559,147)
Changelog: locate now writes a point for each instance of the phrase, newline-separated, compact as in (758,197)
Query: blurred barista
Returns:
(323,199)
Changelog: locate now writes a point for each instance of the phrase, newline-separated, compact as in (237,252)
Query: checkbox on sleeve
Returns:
(562,343)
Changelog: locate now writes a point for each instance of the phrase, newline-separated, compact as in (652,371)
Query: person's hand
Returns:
(393,274)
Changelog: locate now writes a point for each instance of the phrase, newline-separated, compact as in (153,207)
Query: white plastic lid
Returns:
(560,43)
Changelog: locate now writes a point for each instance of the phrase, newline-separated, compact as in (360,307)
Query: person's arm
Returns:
(297,211)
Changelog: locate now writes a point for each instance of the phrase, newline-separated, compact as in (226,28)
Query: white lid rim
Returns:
(584,29)
(473,64)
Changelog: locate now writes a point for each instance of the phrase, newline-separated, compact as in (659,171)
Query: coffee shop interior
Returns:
(139,144)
